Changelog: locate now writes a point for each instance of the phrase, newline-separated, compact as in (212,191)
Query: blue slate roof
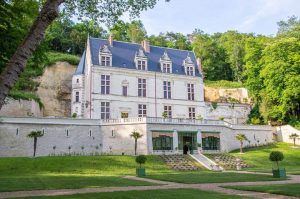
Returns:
(123,55)
(81,65)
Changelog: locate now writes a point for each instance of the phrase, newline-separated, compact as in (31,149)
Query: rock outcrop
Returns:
(55,89)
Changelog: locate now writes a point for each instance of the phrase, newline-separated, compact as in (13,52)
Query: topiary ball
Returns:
(141,159)
(276,156)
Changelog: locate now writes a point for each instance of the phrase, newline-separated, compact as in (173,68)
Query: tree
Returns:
(135,135)
(101,10)
(276,156)
(241,137)
(141,159)
(136,31)
(294,136)
(35,135)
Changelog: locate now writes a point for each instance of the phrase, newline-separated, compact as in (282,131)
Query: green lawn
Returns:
(284,189)
(210,177)
(258,158)
(23,183)
(72,172)
(151,194)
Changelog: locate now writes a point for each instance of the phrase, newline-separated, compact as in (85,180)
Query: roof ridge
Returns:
(140,45)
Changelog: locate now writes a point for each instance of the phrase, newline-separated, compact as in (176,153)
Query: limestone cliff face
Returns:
(226,95)
(55,89)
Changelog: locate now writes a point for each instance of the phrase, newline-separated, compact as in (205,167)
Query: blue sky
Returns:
(259,16)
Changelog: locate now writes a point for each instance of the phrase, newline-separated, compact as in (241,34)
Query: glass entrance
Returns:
(187,138)
(211,143)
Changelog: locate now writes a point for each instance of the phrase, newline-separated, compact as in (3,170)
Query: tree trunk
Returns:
(17,62)
(135,146)
(34,145)
(241,147)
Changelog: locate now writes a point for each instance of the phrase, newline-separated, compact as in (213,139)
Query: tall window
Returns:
(105,84)
(166,68)
(142,110)
(167,90)
(141,87)
(105,61)
(141,65)
(192,114)
(105,110)
(190,70)
(190,89)
(77,96)
(124,90)
(168,110)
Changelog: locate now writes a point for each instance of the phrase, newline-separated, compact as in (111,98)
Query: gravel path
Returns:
(216,187)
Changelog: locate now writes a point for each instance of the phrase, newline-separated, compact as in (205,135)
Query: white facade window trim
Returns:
(105,56)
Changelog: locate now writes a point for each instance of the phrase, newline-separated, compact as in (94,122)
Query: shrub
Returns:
(276,156)
(221,118)
(214,105)
(74,115)
(141,159)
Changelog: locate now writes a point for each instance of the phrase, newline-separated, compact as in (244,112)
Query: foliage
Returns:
(255,116)
(53,57)
(276,156)
(295,123)
(35,135)
(221,118)
(16,18)
(164,114)
(135,135)
(74,115)
(241,138)
(141,159)
(214,105)
(223,84)
(294,136)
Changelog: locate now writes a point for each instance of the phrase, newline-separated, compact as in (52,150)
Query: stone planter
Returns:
(140,172)
(279,173)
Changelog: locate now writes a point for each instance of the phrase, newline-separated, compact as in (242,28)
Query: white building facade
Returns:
(122,80)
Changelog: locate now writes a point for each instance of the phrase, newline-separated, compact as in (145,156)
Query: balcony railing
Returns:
(157,120)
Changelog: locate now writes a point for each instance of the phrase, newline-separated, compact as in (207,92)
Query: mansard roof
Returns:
(123,56)
(81,65)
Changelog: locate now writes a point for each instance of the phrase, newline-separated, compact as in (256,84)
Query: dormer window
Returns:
(105,56)
(189,66)
(141,60)
(165,63)
(141,65)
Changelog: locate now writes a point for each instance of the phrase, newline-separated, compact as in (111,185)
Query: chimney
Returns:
(146,46)
(199,64)
(110,40)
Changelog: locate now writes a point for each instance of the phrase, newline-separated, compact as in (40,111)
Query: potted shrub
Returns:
(277,156)
(141,159)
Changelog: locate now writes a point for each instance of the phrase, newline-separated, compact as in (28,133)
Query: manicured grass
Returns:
(150,194)
(64,182)
(72,172)
(210,177)
(78,165)
(258,158)
(223,84)
(283,189)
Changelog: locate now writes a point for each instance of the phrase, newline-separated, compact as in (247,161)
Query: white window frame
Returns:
(77,96)
(192,113)
(104,110)
(142,110)
(167,90)
(105,85)
(142,87)
(191,91)
(168,110)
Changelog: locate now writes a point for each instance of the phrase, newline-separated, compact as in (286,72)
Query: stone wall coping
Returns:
(144,120)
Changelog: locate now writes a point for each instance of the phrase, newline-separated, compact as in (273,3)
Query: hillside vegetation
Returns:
(27,84)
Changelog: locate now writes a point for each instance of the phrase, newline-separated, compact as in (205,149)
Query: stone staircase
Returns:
(180,162)
(206,162)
